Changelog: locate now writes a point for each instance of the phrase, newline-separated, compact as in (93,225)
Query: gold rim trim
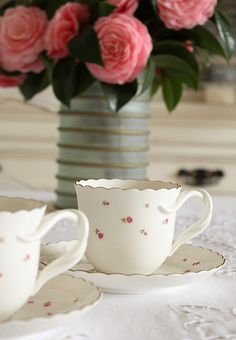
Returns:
(101,148)
(105,131)
(173,185)
(55,316)
(125,115)
(104,165)
(162,275)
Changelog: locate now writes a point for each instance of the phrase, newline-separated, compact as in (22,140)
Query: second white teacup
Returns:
(132,222)
(22,225)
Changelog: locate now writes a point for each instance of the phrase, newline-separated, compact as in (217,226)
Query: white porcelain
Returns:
(132,222)
(61,300)
(187,265)
(20,234)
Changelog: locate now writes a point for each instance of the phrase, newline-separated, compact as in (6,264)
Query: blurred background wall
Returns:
(199,135)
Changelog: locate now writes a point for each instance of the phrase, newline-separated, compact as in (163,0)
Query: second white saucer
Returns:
(61,300)
(188,264)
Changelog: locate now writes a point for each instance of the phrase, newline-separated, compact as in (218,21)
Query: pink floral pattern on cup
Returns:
(165,221)
(27,258)
(127,219)
(143,232)
(99,234)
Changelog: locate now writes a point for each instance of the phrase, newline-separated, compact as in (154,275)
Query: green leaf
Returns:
(154,5)
(119,95)
(104,9)
(155,85)
(85,46)
(9,73)
(84,79)
(48,64)
(64,80)
(205,39)
(51,6)
(172,92)
(34,84)
(149,76)
(225,32)
(90,3)
(203,56)
(22,2)
(177,49)
(182,70)
(7,5)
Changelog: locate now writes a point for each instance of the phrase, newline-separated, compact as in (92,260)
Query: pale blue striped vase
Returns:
(96,143)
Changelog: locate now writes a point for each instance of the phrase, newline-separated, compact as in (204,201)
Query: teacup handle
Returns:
(70,258)
(199,226)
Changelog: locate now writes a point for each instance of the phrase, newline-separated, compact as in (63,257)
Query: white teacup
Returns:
(20,234)
(132,222)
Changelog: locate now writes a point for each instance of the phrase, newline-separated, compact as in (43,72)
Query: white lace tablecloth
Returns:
(205,310)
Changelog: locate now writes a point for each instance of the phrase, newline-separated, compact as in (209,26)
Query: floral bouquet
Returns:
(72,44)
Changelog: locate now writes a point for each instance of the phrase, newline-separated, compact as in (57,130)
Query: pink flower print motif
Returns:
(165,221)
(128,219)
(47,304)
(27,258)
(106,203)
(196,263)
(143,232)
(1,275)
(99,234)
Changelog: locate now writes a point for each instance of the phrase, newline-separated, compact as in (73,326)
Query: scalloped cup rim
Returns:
(154,185)
(37,205)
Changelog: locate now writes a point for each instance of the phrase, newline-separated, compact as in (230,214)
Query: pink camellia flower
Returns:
(65,25)
(125,48)
(124,6)
(6,81)
(178,14)
(37,66)
(22,31)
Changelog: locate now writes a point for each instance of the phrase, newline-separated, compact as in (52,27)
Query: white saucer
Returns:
(61,300)
(188,264)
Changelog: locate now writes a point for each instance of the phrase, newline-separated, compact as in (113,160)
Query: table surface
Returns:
(202,310)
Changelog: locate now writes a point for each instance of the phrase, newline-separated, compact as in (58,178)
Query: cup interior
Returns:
(126,184)
(13,204)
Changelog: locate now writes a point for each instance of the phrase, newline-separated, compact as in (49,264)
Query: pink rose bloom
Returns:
(65,25)
(124,6)
(22,31)
(125,48)
(6,81)
(178,14)
(37,66)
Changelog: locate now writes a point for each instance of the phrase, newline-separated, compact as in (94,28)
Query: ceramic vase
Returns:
(97,143)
